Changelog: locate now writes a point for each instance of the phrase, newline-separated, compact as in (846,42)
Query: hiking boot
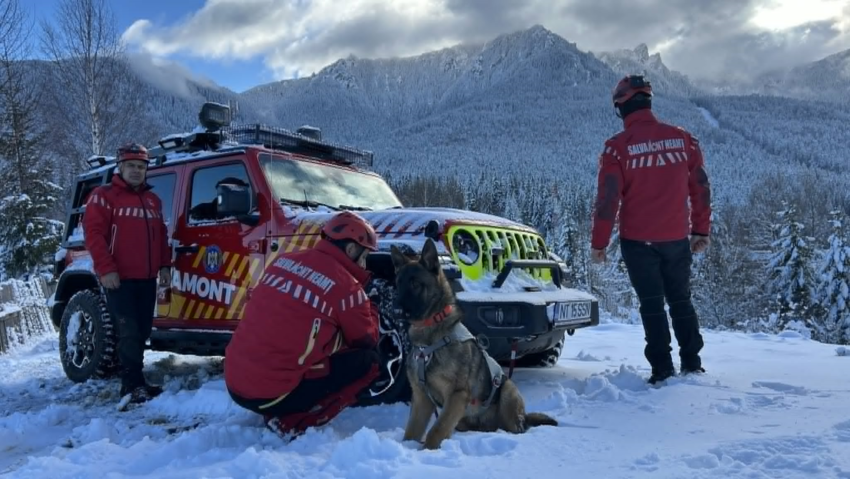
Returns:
(153,390)
(282,430)
(685,370)
(660,376)
(138,394)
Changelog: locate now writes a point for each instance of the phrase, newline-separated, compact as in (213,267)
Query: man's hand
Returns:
(373,295)
(597,255)
(164,276)
(110,281)
(699,243)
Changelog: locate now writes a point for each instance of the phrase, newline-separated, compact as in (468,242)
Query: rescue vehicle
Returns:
(234,197)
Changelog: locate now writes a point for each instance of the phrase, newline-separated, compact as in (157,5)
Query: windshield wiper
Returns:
(307,203)
(314,204)
(355,208)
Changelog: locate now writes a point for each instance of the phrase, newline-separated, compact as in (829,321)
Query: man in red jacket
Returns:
(654,168)
(128,241)
(305,346)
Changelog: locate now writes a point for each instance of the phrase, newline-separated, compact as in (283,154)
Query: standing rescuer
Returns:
(654,168)
(128,241)
(305,347)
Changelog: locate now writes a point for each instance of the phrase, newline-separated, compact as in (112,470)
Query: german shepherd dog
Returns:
(457,376)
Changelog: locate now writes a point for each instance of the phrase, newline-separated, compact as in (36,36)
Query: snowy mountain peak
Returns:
(825,79)
(639,61)
(534,39)
(642,53)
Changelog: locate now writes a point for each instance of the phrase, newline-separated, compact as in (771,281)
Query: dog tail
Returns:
(533,419)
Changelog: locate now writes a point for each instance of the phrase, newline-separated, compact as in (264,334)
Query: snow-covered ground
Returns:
(768,407)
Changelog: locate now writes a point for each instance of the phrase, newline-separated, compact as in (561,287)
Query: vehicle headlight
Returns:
(466,247)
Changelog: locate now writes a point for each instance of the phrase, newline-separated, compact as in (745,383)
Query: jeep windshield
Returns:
(314,184)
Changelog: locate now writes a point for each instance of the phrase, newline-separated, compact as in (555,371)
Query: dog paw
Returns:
(432,445)
(433,442)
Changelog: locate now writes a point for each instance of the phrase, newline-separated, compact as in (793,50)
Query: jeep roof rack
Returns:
(216,134)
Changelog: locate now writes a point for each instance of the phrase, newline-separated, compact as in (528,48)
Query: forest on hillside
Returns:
(525,148)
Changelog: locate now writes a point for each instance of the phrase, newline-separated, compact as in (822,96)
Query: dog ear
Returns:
(398,257)
(430,259)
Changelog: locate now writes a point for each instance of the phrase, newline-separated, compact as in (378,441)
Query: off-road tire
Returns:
(400,391)
(544,359)
(102,343)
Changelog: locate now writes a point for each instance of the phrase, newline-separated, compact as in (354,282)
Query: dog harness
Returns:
(459,333)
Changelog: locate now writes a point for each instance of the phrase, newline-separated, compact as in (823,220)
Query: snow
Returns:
(770,406)
(177,157)
(709,117)
(410,219)
(77,234)
(8,308)
(514,290)
(74,323)
(82,262)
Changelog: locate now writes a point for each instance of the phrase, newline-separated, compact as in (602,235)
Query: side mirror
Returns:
(233,200)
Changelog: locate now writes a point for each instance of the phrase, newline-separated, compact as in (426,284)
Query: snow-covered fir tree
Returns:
(567,246)
(833,292)
(29,236)
(790,275)
(512,209)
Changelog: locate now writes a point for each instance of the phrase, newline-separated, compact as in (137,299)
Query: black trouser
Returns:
(660,271)
(132,306)
(345,368)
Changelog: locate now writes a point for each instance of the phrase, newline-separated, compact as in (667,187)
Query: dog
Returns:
(447,368)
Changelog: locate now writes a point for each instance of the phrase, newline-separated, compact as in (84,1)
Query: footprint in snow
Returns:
(781,387)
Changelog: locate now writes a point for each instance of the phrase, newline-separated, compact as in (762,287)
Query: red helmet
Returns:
(132,151)
(629,86)
(350,226)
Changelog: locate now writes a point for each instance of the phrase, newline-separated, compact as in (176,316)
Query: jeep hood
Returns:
(410,220)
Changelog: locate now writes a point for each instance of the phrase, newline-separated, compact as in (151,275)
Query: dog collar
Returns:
(437,318)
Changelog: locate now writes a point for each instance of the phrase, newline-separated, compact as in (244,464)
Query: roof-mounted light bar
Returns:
(298,143)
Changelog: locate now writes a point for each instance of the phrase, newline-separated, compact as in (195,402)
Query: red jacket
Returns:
(125,231)
(307,306)
(653,168)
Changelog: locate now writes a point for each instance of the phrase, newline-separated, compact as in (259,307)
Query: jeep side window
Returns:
(204,195)
(163,186)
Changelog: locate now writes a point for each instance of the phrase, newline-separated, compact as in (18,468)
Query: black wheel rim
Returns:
(79,342)
(391,343)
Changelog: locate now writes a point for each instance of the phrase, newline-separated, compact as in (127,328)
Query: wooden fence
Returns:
(24,312)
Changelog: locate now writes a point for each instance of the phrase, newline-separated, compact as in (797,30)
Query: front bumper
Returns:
(523,311)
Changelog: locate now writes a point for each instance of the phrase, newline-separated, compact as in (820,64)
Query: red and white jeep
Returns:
(234,197)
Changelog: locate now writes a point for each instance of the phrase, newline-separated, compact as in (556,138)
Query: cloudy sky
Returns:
(240,43)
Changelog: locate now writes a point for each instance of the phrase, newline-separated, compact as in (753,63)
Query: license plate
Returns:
(573,312)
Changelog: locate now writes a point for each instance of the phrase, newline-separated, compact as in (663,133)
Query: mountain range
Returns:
(530,104)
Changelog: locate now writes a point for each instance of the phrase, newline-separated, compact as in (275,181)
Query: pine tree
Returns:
(512,209)
(790,277)
(28,236)
(834,283)
(567,246)
(470,196)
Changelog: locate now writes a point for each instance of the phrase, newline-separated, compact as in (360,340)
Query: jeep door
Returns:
(164,181)
(218,258)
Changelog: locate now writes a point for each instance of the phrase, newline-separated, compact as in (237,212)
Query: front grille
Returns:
(515,245)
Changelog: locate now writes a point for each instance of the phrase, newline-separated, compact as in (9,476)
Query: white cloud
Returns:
(166,74)
(706,37)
